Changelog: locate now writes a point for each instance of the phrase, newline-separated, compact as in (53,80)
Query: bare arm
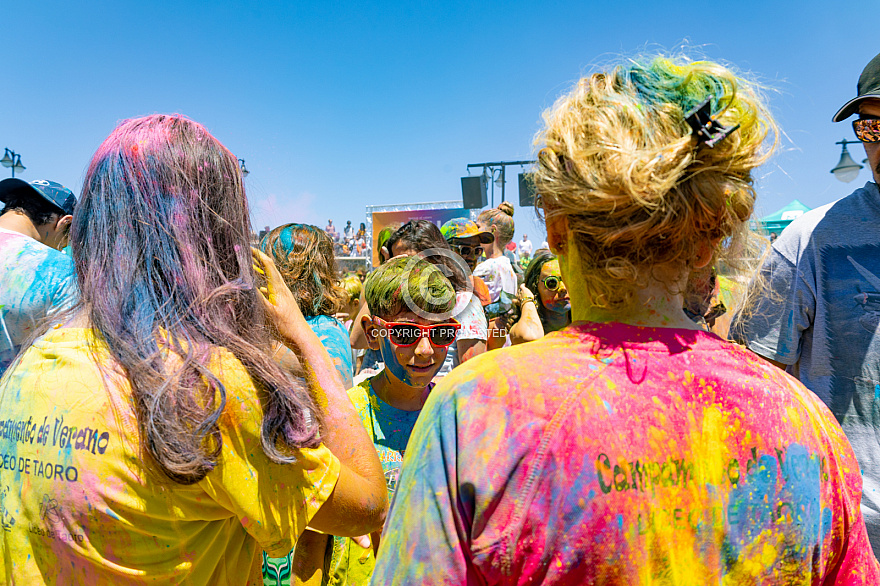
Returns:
(359,501)
(467,349)
(528,327)
(497,334)
(285,358)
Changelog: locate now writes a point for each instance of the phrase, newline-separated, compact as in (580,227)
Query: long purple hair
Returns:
(161,243)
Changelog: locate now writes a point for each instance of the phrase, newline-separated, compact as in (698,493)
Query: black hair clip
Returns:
(707,130)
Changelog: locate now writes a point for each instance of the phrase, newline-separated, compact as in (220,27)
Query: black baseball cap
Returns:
(868,87)
(53,193)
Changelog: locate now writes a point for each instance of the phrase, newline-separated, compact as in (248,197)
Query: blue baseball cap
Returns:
(54,193)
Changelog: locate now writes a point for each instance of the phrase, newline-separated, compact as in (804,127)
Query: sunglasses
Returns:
(867,129)
(553,283)
(465,250)
(408,334)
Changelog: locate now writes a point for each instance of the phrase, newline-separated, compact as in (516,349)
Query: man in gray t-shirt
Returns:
(819,313)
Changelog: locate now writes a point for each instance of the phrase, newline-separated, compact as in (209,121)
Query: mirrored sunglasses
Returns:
(465,250)
(867,129)
(553,283)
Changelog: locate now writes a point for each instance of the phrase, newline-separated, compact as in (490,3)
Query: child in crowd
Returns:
(354,288)
(421,237)
(410,303)
(496,270)
(304,257)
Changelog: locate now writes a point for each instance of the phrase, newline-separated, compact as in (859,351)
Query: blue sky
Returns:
(336,106)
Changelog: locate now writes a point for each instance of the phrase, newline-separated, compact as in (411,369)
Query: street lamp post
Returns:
(847,169)
(12,160)
(244,171)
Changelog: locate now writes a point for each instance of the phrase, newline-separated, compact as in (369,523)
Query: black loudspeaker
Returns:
(526,189)
(473,192)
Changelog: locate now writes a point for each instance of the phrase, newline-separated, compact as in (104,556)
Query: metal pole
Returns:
(493,187)
(502,183)
(500,163)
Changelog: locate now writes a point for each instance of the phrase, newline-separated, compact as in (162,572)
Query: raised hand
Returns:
(280,304)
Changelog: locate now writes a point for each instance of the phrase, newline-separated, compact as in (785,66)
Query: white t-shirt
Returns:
(525,247)
(469,313)
(498,275)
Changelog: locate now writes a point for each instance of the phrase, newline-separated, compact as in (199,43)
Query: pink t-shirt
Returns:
(614,454)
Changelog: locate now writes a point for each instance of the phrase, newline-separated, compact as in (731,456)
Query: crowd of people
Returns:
(179,406)
(349,242)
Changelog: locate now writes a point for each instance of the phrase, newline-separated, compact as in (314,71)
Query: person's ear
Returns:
(63,223)
(557,233)
(371,331)
(57,231)
(705,252)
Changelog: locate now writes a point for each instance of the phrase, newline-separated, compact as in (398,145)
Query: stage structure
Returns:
(438,212)
(473,187)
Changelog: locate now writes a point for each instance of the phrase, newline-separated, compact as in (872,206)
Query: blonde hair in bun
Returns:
(619,161)
(501,218)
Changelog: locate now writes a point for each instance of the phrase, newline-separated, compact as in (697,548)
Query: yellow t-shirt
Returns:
(78,506)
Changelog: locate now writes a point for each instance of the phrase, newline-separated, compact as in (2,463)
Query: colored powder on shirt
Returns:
(334,337)
(390,429)
(79,505)
(644,454)
(36,281)
(498,275)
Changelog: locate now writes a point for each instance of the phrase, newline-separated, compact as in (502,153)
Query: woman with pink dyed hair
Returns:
(148,435)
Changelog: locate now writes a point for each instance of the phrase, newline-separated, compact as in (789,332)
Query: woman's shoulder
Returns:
(323,321)
(325,325)
(360,392)
(484,266)
(469,313)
